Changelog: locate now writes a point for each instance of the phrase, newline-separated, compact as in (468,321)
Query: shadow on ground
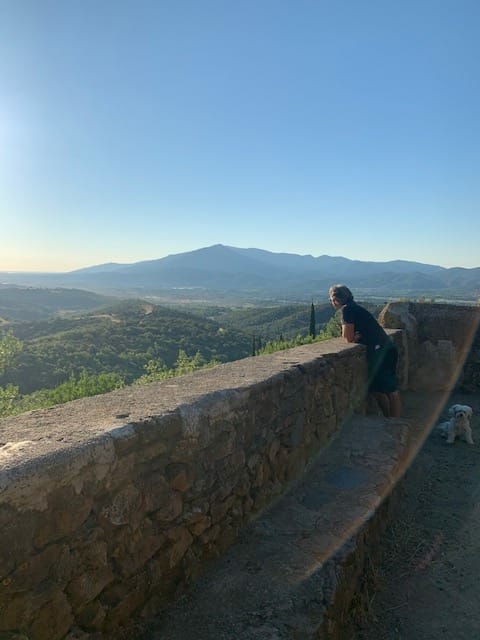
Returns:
(427,584)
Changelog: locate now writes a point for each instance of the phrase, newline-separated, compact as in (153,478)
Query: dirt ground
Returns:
(427,586)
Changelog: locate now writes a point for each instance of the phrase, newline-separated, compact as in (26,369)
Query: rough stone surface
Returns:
(112,507)
(285,576)
(306,567)
(104,518)
(440,338)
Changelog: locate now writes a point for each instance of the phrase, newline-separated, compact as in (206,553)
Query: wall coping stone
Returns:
(63,431)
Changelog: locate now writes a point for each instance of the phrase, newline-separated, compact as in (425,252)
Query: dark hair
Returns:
(341,293)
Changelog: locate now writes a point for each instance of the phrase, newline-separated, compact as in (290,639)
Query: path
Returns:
(429,579)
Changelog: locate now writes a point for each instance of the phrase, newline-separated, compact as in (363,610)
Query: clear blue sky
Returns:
(134,129)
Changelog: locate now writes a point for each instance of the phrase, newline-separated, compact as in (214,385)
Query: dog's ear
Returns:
(463,407)
(452,410)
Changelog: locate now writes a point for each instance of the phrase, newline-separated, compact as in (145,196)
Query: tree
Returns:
(83,386)
(188,364)
(9,395)
(313,331)
(9,347)
(333,328)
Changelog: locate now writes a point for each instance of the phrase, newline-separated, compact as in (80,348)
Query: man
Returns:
(358,325)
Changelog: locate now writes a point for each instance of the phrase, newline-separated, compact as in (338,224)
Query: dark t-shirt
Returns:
(371,332)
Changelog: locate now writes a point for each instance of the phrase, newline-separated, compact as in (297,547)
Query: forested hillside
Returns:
(33,303)
(133,342)
(125,338)
(121,339)
(273,323)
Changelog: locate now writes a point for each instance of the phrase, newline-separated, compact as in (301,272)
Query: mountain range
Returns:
(225,273)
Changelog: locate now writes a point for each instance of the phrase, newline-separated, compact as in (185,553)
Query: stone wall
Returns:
(442,344)
(469,378)
(111,506)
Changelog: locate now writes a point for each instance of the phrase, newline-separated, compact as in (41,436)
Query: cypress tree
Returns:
(313,332)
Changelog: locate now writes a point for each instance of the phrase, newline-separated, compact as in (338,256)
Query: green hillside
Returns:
(270,323)
(120,339)
(32,303)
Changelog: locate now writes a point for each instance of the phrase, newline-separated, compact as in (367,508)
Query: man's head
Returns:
(340,294)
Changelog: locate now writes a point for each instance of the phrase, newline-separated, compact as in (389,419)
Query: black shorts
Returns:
(382,368)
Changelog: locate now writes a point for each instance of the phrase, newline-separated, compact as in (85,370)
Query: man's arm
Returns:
(348,332)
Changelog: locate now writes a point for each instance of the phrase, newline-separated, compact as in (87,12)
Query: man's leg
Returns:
(383,402)
(395,404)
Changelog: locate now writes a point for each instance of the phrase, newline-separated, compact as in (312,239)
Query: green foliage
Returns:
(157,370)
(271,322)
(84,385)
(276,345)
(333,328)
(9,348)
(9,397)
(32,303)
(11,402)
(62,359)
(122,340)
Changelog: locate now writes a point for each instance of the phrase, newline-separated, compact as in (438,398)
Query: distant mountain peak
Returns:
(219,271)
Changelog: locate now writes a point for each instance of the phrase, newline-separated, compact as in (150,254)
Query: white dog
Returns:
(459,423)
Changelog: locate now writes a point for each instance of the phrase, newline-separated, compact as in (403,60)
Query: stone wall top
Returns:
(63,430)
